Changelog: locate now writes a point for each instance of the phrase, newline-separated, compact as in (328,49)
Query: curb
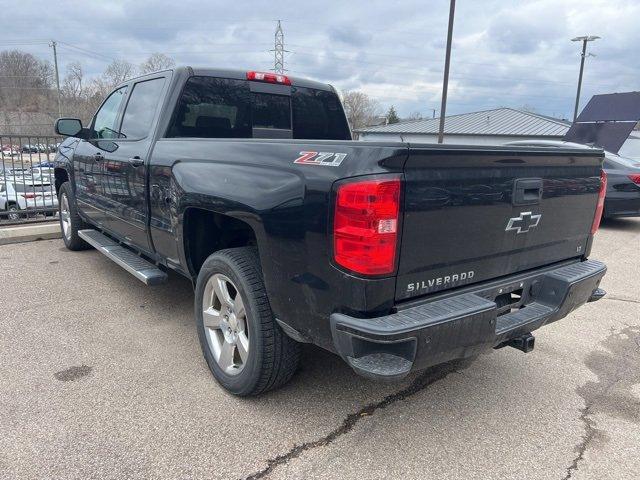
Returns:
(29,233)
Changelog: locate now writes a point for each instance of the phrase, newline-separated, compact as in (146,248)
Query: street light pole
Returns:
(584,40)
(445,81)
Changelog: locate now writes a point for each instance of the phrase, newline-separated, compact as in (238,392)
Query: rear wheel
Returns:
(246,350)
(70,221)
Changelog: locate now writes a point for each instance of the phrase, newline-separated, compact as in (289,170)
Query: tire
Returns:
(270,357)
(70,221)
(14,212)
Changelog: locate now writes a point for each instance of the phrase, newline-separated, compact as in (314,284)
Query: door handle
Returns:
(527,191)
(136,161)
(98,157)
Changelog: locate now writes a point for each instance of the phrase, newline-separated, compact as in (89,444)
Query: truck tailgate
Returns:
(474,214)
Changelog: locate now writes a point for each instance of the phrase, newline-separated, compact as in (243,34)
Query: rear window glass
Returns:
(226,108)
(317,114)
(271,111)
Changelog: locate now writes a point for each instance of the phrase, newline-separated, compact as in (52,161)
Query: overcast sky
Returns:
(505,53)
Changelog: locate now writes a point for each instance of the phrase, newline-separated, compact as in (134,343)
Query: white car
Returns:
(17,198)
(9,152)
(43,173)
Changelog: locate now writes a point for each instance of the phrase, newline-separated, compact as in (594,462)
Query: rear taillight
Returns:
(268,77)
(635,178)
(29,195)
(365,225)
(600,206)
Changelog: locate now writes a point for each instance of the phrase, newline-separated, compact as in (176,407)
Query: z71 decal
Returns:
(328,159)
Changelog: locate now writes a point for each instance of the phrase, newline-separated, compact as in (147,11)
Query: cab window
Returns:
(141,108)
(213,107)
(104,124)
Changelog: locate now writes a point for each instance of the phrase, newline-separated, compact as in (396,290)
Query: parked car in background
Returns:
(12,171)
(623,179)
(29,148)
(44,164)
(10,151)
(43,169)
(42,173)
(19,198)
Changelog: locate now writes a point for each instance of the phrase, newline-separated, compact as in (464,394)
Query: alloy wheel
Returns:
(13,215)
(65,216)
(225,324)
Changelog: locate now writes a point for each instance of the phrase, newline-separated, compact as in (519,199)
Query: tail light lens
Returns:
(29,195)
(365,226)
(635,178)
(600,205)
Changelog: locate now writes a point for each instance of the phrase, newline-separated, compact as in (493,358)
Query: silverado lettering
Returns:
(446,280)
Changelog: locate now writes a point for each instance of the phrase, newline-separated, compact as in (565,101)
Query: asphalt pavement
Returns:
(103,378)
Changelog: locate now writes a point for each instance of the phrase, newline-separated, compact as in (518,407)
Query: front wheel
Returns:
(246,350)
(70,221)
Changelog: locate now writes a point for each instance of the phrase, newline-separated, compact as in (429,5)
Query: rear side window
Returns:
(213,108)
(226,108)
(141,108)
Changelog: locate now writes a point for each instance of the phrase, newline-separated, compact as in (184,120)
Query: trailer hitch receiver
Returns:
(524,343)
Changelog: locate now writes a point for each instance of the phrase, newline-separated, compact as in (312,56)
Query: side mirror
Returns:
(68,127)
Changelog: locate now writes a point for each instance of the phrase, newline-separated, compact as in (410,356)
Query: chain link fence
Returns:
(27,181)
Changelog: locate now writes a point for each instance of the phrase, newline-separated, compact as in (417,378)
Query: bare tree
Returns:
(157,61)
(80,97)
(117,72)
(25,81)
(72,86)
(359,108)
(415,116)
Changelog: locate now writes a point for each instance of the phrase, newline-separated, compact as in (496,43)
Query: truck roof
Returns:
(240,74)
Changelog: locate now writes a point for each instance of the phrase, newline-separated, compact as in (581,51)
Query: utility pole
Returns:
(278,50)
(55,62)
(584,40)
(445,81)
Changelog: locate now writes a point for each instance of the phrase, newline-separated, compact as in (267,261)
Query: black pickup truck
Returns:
(395,256)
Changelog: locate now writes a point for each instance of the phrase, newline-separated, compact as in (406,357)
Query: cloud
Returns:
(349,35)
(504,52)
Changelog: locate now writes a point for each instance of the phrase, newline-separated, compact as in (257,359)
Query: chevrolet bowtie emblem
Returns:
(525,222)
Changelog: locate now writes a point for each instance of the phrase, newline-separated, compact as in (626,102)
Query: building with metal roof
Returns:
(487,127)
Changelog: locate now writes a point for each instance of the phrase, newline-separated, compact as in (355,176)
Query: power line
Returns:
(87,52)
(404,68)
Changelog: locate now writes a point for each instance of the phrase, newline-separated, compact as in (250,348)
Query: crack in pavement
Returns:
(425,379)
(590,433)
(620,299)
(596,394)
